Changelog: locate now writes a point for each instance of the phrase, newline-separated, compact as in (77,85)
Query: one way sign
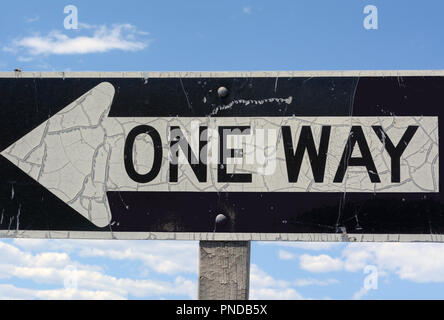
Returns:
(272,156)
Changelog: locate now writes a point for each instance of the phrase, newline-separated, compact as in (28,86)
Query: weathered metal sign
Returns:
(228,156)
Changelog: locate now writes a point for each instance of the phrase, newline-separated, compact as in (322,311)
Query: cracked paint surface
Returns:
(78,154)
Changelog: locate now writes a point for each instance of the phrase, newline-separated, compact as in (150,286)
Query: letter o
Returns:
(128,154)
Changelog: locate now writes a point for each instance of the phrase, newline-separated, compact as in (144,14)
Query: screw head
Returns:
(222,92)
(221,219)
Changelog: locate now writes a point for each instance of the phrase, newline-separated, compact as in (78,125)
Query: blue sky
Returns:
(233,35)
(219,35)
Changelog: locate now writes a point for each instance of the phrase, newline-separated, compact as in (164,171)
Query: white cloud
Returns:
(275,294)
(24,59)
(32,19)
(285,255)
(360,293)
(10,292)
(320,263)
(260,279)
(98,39)
(314,282)
(265,287)
(247,10)
(355,259)
(50,268)
(98,281)
(169,257)
(417,262)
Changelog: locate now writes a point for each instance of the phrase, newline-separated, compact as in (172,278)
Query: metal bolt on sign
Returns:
(222,92)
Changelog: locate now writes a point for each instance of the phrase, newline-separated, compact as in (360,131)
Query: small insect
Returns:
(17,70)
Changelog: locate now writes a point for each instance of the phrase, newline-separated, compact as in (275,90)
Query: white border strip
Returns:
(202,236)
(223,74)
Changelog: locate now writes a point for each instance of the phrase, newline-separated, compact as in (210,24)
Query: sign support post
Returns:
(224,270)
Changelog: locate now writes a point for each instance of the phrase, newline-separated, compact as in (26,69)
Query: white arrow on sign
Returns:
(63,154)
(78,154)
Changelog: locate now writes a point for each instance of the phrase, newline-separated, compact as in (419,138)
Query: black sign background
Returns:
(27,102)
